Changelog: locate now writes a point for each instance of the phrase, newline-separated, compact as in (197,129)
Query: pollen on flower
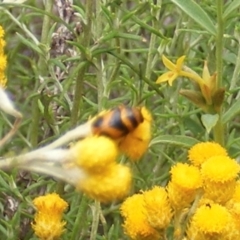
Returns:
(112,184)
(136,225)
(95,153)
(47,221)
(158,209)
(135,144)
(200,152)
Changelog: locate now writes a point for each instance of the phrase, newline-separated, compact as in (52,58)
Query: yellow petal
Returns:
(180,62)
(172,78)
(168,64)
(165,77)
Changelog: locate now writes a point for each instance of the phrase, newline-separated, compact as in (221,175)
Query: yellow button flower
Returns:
(212,222)
(219,175)
(186,176)
(200,152)
(185,181)
(220,169)
(135,223)
(95,153)
(112,184)
(48,222)
(158,209)
(3,59)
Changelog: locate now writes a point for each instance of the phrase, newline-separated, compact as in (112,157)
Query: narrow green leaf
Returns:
(230,8)
(194,11)
(181,141)
(30,44)
(231,112)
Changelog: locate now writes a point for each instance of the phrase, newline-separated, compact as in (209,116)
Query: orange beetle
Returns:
(118,122)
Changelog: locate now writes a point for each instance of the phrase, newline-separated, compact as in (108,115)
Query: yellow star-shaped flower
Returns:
(175,70)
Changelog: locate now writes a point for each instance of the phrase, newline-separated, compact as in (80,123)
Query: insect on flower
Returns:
(117,122)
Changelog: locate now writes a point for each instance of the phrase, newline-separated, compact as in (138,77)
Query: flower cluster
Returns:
(207,96)
(3,59)
(48,222)
(201,200)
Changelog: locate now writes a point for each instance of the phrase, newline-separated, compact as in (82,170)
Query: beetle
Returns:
(117,122)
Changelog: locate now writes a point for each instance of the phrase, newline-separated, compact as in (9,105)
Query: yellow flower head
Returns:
(2,32)
(236,195)
(211,221)
(179,197)
(135,223)
(200,152)
(95,153)
(47,221)
(158,209)
(186,176)
(175,70)
(112,184)
(3,59)
(219,169)
(135,144)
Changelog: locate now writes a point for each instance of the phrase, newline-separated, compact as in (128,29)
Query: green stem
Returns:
(218,130)
(79,81)
(79,224)
(42,69)
(95,222)
(152,45)
(101,80)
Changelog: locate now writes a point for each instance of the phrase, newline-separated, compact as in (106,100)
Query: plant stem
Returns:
(218,130)
(96,212)
(42,66)
(79,81)
(79,224)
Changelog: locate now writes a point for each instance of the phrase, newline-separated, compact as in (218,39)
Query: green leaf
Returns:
(230,8)
(209,121)
(194,11)
(231,112)
(30,44)
(182,141)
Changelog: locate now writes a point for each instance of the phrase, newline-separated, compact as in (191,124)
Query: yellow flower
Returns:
(220,169)
(236,194)
(186,176)
(182,189)
(179,197)
(158,209)
(135,223)
(47,221)
(135,144)
(112,184)
(3,59)
(212,221)
(95,153)
(2,32)
(219,175)
(233,205)
(200,152)
(175,70)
